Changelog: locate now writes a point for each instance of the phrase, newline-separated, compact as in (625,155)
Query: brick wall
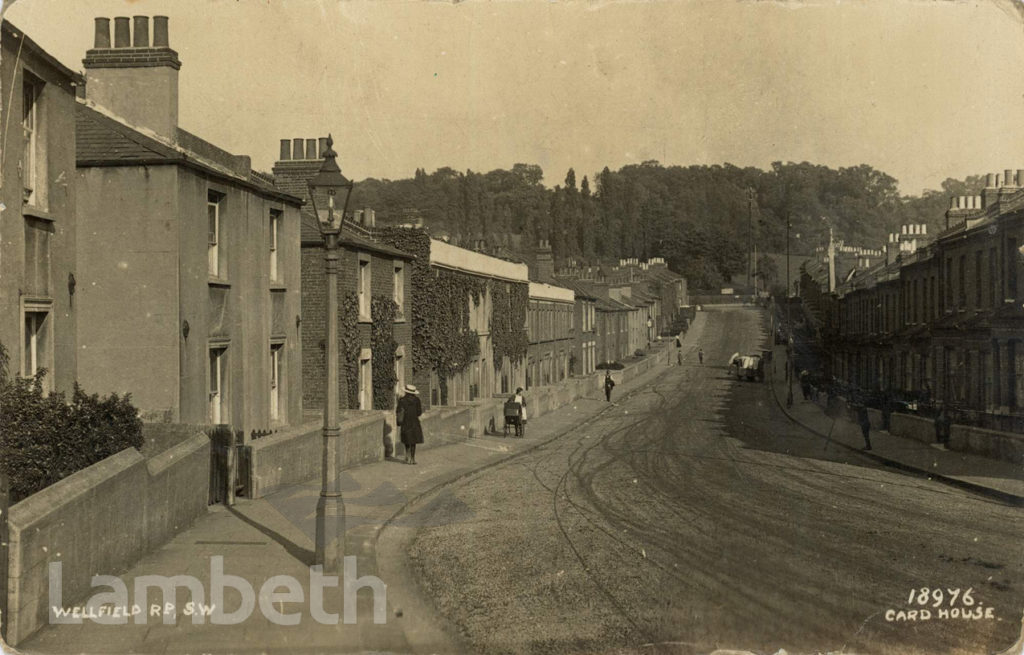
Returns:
(314,325)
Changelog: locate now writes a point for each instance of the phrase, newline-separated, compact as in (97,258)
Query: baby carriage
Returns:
(514,418)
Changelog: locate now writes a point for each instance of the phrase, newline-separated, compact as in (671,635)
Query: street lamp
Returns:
(326,189)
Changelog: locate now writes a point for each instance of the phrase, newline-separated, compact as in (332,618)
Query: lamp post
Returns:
(324,190)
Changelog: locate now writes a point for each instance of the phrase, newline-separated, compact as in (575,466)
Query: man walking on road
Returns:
(700,356)
(679,351)
(608,384)
(864,421)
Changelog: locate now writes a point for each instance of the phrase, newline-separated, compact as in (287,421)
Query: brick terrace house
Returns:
(188,260)
(483,377)
(943,320)
(371,275)
(38,273)
(584,359)
(551,332)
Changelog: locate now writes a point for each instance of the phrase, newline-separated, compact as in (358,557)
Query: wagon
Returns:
(514,418)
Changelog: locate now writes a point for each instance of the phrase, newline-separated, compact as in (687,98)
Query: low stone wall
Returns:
(987,443)
(99,521)
(294,456)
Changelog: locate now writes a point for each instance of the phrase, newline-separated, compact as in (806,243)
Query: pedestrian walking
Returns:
(942,425)
(407,415)
(679,351)
(805,384)
(887,404)
(864,421)
(609,384)
(700,356)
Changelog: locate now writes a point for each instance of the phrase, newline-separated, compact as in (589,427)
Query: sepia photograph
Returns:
(501,327)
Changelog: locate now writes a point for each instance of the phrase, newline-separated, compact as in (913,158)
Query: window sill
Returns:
(278,286)
(364,319)
(36,212)
(218,282)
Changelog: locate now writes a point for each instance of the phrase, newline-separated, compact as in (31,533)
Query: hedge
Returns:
(45,438)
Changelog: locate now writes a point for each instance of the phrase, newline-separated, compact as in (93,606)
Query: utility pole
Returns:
(750,234)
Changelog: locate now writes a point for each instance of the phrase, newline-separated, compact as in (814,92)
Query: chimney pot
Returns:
(311,149)
(323,147)
(160,32)
(122,32)
(141,32)
(990,180)
(1020,177)
(1007,177)
(286,149)
(297,149)
(102,33)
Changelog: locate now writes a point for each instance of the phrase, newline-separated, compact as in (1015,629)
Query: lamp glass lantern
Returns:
(329,191)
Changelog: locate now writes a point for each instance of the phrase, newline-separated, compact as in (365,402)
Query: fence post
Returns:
(4,556)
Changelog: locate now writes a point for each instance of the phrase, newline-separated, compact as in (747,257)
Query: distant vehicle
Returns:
(748,367)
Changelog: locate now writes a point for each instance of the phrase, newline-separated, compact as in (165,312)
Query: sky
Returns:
(921,89)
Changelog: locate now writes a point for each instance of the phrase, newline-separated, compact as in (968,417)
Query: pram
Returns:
(514,418)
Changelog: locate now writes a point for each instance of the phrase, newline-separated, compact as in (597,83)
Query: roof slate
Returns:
(310,236)
(103,140)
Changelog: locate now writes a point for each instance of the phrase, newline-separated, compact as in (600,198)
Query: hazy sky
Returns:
(923,90)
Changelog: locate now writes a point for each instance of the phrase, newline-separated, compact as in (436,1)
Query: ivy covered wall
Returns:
(442,341)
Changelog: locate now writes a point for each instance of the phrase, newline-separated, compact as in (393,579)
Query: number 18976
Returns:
(926,596)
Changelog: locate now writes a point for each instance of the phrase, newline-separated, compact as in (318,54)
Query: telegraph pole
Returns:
(750,234)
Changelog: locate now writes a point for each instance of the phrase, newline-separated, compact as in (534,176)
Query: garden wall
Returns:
(100,521)
(294,456)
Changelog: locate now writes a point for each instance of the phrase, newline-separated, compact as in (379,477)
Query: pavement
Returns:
(274,536)
(989,477)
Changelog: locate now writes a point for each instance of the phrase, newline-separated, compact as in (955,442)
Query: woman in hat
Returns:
(408,417)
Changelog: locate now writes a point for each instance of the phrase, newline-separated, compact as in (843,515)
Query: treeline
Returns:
(700,218)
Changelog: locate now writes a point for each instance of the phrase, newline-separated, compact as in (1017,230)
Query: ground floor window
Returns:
(399,372)
(218,408)
(37,353)
(276,381)
(366,379)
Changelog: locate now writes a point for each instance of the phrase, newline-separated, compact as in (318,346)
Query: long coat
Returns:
(412,432)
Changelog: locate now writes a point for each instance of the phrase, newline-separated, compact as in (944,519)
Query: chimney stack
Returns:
(545,266)
(132,79)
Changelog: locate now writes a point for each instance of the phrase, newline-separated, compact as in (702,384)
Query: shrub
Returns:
(44,438)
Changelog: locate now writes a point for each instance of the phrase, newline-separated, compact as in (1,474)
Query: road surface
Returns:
(695,516)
